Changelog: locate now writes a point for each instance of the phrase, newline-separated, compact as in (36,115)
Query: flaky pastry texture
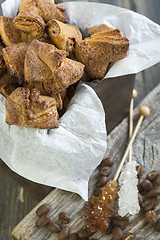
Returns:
(25,107)
(7,84)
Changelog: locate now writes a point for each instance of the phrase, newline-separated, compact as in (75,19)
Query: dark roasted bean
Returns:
(120,221)
(158,180)
(157,226)
(140,188)
(87,207)
(107,162)
(97,191)
(140,199)
(117,233)
(42,221)
(151,176)
(101,181)
(151,217)
(149,204)
(140,170)
(64,217)
(64,233)
(82,233)
(153,193)
(53,227)
(42,210)
(105,171)
(147,185)
(73,236)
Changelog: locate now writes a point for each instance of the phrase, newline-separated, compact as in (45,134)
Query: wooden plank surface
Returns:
(11,209)
(145,144)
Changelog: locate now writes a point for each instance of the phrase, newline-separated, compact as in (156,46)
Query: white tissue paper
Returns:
(65,157)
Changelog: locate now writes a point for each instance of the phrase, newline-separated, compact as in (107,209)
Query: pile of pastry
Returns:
(42,57)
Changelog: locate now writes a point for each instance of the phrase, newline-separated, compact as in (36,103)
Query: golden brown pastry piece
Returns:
(10,34)
(97,51)
(7,84)
(29,20)
(99,28)
(2,63)
(46,64)
(64,35)
(30,109)
(14,56)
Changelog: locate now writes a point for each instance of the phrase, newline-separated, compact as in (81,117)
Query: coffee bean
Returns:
(151,176)
(102,181)
(149,204)
(147,185)
(107,162)
(151,217)
(42,210)
(140,188)
(64,233)
(158,180)
(157,226)
(140,199)
(53,227)
(82,233)
(128,236)
(153,193)
(42,221)
(73,236)
(92,199)
(105,171)
(109,229)
(87,207)
(64,217)
(140,170)
(117,233)
(120,221)
(97,191)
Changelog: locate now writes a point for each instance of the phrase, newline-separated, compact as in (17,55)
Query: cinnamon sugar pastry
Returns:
(7,84)
(14,56)
(101,48)
(64,35)
(30,109)
(46,64)
(2,63)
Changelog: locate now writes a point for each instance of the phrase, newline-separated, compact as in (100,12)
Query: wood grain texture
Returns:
(145,151)
(11,183)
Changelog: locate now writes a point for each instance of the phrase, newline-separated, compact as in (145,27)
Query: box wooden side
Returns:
(115,94)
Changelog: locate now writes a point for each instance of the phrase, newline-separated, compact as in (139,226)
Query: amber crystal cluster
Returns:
(98,218)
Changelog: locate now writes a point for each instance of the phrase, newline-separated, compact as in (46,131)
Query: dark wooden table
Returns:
(18,195)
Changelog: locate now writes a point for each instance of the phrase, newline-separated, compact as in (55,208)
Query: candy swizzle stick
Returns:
(128,200)
(98,219)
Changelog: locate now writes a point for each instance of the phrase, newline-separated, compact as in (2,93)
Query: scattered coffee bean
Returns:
(97,191)
(140,199)
(109,229)
(158,180)
(73,236)
(64,233)
(53,227)
(120,221)
(140,171)
(157,226)
(82,233)
(149,204)
(107,162)
(147,185)
(64,217)
(105,171)
(140,188)
(151,176)
(151,217)
(128,236)
(102,181)
(87,207)
(42,210)
(42,221)
(117,233)
(153,193)
(93,200)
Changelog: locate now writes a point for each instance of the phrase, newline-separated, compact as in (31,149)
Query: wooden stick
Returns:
(144,112)
(134,95)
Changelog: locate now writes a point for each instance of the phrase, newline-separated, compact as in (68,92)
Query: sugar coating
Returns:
(128,193)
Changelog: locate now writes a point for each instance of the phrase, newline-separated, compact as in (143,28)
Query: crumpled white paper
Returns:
(66,157)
